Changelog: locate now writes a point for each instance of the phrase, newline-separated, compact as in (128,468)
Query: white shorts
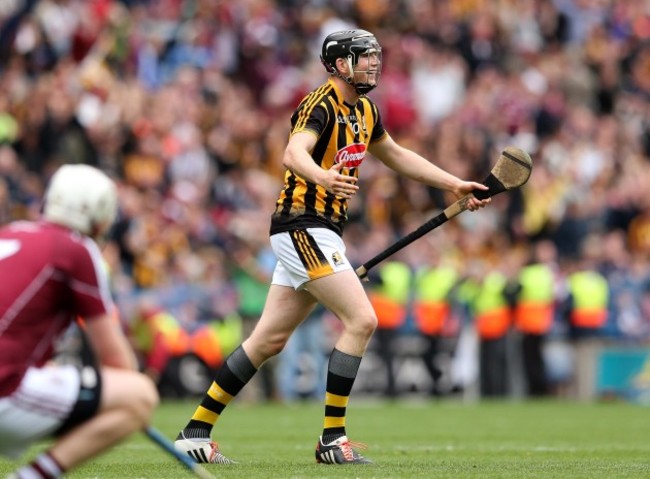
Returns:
(307,254)
(42,404)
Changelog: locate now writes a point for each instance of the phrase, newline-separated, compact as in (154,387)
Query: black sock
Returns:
(233,375)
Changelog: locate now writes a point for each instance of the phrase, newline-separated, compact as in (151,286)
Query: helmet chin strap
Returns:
(360,88)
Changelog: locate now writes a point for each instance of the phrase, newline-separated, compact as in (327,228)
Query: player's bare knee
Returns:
(266,345)
(363,325)
(369,324)
(145,399)
(275,344)
(151,398)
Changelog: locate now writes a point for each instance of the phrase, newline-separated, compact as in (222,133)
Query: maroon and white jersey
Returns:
(49,275)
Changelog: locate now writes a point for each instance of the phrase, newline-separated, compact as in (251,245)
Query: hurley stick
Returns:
(166,445)
(511,170)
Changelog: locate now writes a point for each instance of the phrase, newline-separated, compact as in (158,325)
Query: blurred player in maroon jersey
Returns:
(51,273)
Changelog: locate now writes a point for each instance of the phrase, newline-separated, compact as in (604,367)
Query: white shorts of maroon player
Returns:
(40,407)
(304,255)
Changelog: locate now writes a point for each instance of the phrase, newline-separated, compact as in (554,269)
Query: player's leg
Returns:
(284,310)
(315,259)
(87,416)
(343,294)
(128,400)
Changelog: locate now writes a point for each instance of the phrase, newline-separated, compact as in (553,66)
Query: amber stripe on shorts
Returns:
(310,254)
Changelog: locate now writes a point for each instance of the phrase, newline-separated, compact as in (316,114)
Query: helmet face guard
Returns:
(355,46)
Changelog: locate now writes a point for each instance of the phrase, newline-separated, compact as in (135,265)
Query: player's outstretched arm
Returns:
(410,164)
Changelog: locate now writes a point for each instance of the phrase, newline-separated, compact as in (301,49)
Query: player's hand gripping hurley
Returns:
(511,170)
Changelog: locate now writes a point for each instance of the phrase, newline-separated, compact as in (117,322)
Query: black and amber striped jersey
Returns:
(344,132)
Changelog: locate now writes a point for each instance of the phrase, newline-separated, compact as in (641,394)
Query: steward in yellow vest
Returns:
(534,312)
(586,312)
(492,312)
(432,313)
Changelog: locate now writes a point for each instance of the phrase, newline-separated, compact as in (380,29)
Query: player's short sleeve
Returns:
(378,132)
(312,118)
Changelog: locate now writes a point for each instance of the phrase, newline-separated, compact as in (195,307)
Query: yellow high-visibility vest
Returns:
(431,305)
(390,298)
(492,313)
(590,292)
(535,303)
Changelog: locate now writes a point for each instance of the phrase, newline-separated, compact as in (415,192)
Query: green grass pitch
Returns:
(411,439)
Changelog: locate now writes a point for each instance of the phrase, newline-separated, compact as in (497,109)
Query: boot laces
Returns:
(216,456)
(347,448)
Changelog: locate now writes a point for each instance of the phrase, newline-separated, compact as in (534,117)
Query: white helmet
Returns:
(81,197)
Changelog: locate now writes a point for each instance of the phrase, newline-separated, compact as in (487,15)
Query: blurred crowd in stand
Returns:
(187,104)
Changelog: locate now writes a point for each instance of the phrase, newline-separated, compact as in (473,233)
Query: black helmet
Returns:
(350,44)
